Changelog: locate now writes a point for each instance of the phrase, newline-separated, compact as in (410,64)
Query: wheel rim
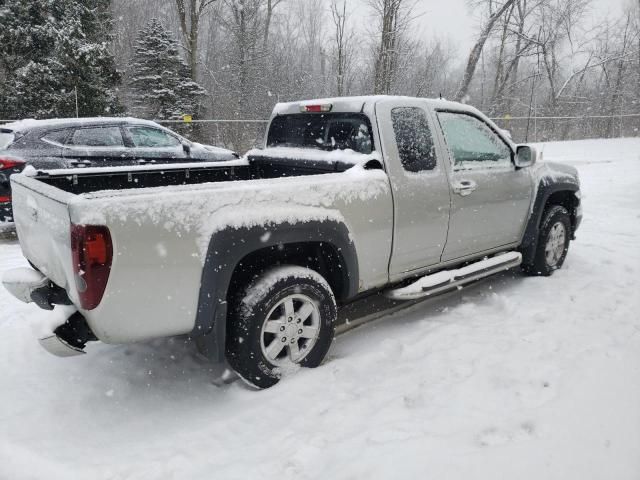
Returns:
(290,330)
(555,244)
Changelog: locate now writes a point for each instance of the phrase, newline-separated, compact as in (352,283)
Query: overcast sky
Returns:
(452,19)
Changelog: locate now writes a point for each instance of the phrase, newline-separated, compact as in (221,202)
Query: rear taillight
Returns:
(92,251)
(4,199)
(322,108)
(10,163)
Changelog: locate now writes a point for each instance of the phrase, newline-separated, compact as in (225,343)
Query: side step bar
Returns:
(448,279)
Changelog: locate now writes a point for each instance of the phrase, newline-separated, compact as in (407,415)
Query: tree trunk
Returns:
(474,56)
(386,58)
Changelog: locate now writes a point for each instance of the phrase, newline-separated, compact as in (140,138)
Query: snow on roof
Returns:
(30,123)
(356,104)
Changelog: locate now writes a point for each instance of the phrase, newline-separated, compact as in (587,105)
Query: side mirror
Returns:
(186,147)
(526,156)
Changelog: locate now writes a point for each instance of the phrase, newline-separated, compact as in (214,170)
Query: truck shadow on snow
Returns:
(173,367)
(8,235)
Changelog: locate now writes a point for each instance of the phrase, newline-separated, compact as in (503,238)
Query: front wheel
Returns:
(284,318)
(553,242)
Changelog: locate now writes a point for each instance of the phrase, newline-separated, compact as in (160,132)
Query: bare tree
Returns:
(190,13)
(271,6)
(476,51)
(394,16)
(342,45)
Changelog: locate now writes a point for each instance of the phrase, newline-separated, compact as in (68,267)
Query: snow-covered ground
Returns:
(515,377)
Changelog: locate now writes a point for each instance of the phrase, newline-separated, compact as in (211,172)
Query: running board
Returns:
(447,279)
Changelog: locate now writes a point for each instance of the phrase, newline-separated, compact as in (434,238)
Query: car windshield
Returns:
(6,139)
(327,131)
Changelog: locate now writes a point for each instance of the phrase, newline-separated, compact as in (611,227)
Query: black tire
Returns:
(542,265)
(263,300)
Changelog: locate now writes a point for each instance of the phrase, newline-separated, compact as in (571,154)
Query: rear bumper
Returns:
(30,286)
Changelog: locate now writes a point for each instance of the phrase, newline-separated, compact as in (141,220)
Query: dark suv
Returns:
(92,142)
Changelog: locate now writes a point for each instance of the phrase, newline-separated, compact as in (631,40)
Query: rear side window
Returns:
(56,137)
(6,139)
(327,131)
(413,138)
(152,137)
(97,137)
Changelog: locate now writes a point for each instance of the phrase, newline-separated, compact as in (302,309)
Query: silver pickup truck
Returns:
(254,257)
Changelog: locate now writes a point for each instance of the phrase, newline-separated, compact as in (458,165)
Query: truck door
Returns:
(419,184)
(490,197)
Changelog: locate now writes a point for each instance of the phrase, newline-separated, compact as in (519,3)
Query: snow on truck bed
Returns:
(347,156)
(515,377)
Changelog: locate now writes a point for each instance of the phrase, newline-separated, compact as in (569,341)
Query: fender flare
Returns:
(530,238)
(226,250)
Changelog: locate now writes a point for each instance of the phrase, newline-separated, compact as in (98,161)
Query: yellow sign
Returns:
(187,118)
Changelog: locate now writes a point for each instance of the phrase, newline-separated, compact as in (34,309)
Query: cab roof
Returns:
(358,104)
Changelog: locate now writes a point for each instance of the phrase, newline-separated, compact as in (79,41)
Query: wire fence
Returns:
(558,128)
(243,134)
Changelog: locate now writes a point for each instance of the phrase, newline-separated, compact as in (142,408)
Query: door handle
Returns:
(83,163)
(464,187)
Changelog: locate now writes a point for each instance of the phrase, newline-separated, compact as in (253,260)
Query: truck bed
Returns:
(87,180)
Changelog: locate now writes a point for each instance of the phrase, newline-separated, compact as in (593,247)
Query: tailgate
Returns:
(42,221)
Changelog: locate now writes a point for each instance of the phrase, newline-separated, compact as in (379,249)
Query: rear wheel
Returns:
(553,242)
(284,319)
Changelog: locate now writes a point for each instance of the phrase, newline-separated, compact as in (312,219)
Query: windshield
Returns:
(6,139)
(327,131)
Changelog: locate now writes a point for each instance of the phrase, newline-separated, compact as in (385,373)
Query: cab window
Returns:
(327,131)
(413,138)
(473,144)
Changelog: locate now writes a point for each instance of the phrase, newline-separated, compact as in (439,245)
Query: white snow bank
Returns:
(516,377)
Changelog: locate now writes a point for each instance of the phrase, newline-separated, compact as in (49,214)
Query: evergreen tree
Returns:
(50,48)
(161,86)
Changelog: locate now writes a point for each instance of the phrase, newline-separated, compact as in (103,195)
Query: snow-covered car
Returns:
(254,257)
(92,142)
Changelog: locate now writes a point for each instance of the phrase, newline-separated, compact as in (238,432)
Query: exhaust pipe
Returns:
(70,338)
